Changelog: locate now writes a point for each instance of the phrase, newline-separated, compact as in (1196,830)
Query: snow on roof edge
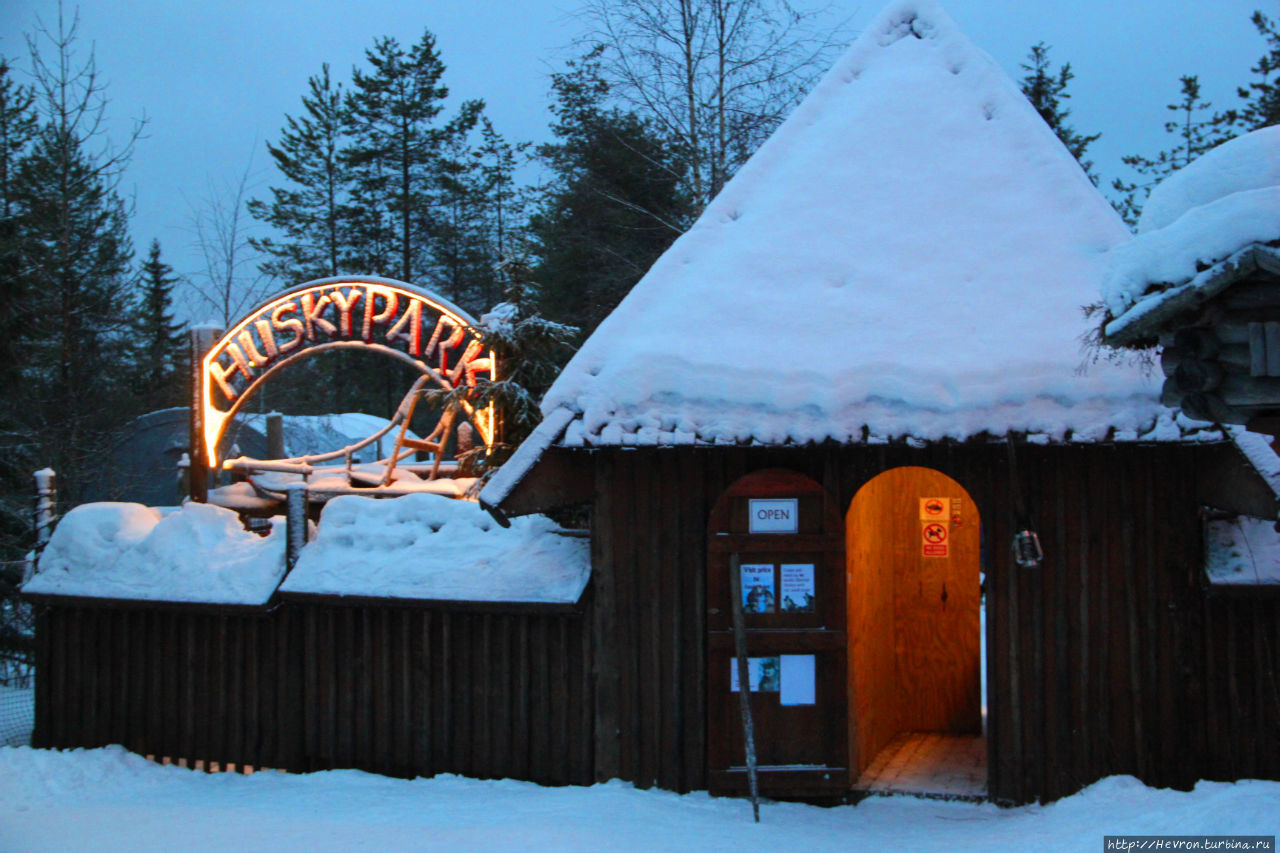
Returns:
(1257,451)
(1153,308)
(1169,427)
(525,457)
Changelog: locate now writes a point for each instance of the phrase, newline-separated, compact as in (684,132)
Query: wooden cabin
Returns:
(875,330)
(1202,279)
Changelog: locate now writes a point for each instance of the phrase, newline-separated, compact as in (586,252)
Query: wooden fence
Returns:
(403,691)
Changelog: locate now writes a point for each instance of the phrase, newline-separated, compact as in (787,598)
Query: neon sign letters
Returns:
(387,316)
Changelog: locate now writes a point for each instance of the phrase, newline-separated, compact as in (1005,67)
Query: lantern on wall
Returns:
(1027,552)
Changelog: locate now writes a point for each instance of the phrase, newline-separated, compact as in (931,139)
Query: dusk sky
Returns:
(215,78)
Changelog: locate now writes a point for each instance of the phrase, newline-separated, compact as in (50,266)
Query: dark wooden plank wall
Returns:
(400,691)
(1110,658)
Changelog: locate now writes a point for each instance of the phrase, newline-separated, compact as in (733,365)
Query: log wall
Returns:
(1109,659)
(395,690)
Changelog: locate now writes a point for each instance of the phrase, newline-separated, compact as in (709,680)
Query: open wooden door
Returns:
(780,531)
(912,545)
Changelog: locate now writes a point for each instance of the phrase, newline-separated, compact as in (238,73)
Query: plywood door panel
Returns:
(912,617)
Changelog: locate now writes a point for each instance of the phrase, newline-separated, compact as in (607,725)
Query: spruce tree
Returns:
(1047,89)
(17,129)
(505,204)
(75,257)
(18,124)
(310,212)
(531,350)
(159,339)
(17,441)
(1196,131)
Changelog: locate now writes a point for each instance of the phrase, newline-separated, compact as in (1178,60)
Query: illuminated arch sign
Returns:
(391,317)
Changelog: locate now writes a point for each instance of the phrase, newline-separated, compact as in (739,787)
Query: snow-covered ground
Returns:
(110,799)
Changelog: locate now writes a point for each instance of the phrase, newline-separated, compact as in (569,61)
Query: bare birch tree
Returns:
(232,280)
(716,76)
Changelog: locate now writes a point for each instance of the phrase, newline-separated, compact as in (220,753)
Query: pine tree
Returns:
(462,262)
(1196,131)
(505,204)
(310,213)
(480,217)
(395,151)
(159,338)
(1047,89)
(1261,96)
(616,202)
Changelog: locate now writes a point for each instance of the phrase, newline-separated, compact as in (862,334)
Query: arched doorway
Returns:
(912,555)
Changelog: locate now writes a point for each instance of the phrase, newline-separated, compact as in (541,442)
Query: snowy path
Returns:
(109,799)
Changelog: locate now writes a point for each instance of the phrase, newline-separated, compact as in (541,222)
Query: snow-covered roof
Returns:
(908,255)
(199,553)
(1204,227)
(430,547)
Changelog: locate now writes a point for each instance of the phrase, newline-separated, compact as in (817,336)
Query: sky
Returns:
(215,78)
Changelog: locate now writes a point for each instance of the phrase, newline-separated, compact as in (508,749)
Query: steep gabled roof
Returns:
(908,255)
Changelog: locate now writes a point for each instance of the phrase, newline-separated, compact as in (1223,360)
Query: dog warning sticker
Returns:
(933,536)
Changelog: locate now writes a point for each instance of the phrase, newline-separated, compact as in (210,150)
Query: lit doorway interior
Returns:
(914,654)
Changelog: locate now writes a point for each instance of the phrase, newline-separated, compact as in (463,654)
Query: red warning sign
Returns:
(934,540)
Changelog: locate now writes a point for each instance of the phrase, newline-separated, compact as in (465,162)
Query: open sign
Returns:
(773,515)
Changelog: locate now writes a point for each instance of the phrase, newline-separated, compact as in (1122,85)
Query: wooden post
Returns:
(744,681)
(46,512)
(275,436)
(202,340)
(295,522)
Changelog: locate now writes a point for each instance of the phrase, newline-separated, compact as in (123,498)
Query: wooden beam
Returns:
(560,477)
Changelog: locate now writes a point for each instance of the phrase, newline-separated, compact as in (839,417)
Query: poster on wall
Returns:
(764,675)
(758,595)
(799,681)
(796,587)
(792,677)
